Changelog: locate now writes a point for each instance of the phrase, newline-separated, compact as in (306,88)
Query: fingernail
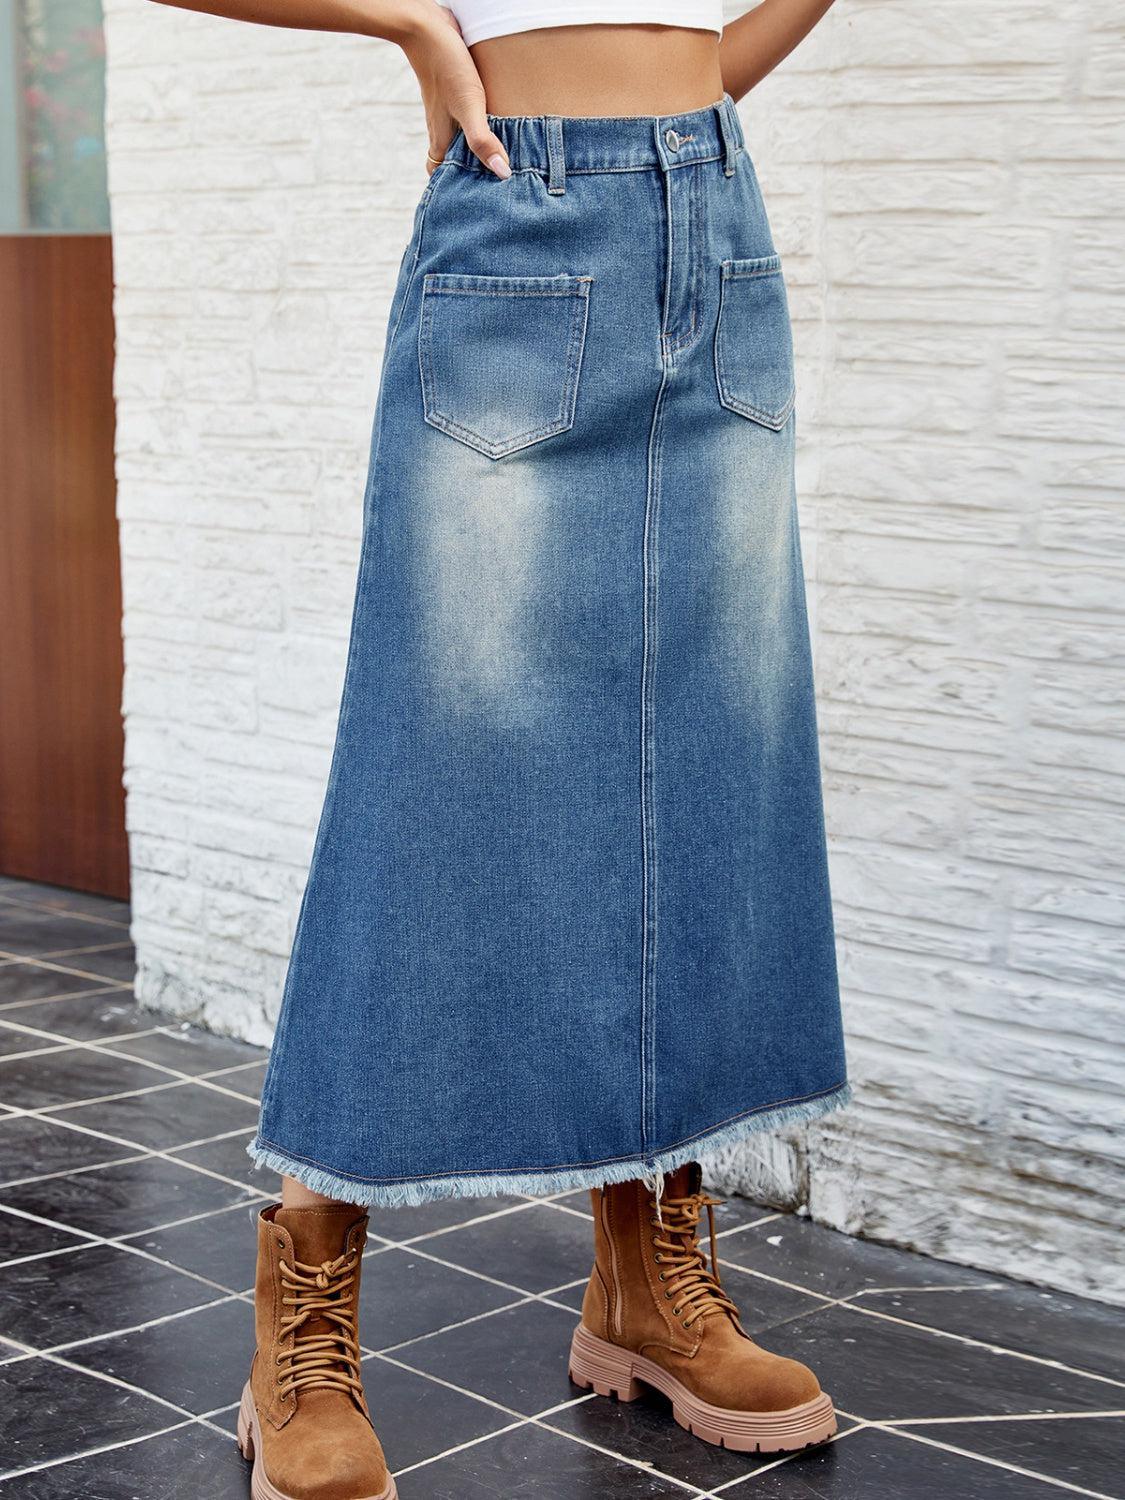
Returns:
(499,166)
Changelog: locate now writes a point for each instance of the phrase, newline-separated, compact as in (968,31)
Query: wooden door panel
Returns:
(62,817)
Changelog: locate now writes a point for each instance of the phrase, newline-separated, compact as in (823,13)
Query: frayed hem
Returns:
(540,1184)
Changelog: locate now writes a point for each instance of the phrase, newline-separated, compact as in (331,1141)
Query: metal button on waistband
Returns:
(672,139)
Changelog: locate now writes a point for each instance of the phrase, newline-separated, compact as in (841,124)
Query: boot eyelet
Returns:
(660,1277)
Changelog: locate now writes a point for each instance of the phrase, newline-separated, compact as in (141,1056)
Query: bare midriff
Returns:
(600,70)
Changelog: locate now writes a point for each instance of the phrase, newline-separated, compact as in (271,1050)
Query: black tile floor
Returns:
(127,1257)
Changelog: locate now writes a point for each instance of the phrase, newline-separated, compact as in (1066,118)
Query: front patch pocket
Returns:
(754,342)
(500,357)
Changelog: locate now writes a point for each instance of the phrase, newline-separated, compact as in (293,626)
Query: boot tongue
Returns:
(318,1234)
(684,1181)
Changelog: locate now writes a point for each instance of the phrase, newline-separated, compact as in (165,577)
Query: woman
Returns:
(567,922)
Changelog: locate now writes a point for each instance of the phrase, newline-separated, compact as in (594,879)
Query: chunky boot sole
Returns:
(250,1446)
(611,1371)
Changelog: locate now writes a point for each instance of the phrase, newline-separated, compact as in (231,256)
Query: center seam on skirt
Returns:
(650,563)
(648,811)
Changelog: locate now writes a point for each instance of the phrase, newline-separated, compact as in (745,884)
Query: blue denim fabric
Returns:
(568,916)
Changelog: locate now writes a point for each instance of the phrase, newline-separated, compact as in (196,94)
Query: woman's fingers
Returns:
(483,143)
(453,94)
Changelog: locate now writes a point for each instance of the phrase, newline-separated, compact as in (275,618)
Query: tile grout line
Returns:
(227,1293)
(635,1463)
(522,1299)
(75,950)
(849,1303)
(1016,1416)
(115,1333)
(7,957)
(724,1234)
(171,1078)
(140,1152)
(25,903)
(11,1058)
(964,1338)
(537,1419)
(114,1380)
(90,993)
(372,1351)
(22,1029)
(484,1218)
(484,1437)
(509,1411)
(55,1463)
(49,960)
(106,1048)
(997,1463)
(791,1286)
(144,1154)
(888,1291)
(579,1213)
(122,1243)
(507,1286)
(23,1260)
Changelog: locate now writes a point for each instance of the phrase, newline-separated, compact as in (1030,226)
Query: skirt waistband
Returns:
(555,145)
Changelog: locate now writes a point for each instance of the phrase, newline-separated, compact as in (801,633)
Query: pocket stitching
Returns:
(577,288)
(442,283)
(766,265)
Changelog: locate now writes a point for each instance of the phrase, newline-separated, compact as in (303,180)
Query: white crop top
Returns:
(480,19)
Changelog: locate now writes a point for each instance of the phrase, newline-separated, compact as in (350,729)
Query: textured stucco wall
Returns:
(945,185)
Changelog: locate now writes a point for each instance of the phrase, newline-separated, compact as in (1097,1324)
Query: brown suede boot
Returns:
(304,1418)
(655,1312)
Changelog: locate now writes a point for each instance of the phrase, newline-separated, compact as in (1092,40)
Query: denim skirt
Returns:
(567,920)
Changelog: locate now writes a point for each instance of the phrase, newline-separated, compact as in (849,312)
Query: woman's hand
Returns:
(452,92)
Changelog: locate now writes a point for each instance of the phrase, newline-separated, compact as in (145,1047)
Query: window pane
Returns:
(52,105)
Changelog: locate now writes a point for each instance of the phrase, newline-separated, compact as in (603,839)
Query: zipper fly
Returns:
(685,234)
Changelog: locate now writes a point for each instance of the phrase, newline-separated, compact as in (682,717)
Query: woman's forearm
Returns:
(753,45)
(395,20)
(452,93)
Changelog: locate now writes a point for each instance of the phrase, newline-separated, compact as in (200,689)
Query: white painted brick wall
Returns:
(947,186)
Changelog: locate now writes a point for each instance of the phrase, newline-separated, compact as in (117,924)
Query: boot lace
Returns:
(327,1358)
(690,1283)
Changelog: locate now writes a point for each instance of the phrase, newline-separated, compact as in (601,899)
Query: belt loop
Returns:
(556,157)
(728,124)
